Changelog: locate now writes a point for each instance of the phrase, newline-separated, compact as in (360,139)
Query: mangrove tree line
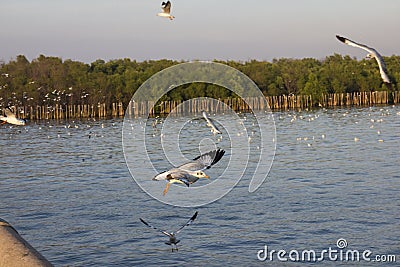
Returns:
(49,80)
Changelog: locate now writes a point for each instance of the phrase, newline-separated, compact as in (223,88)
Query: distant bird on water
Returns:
(10,117)
(372,53)
(190,172)
(172,236)
(166,10)
(214,128)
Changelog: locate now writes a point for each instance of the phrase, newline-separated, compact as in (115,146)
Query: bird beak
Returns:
(207,177)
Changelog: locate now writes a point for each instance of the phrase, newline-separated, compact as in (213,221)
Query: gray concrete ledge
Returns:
(15,251)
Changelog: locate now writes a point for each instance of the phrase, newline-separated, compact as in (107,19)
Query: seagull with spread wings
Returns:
(10,117)
(372,53)
(166,10)
(172,236)
(190,172)
(213,127)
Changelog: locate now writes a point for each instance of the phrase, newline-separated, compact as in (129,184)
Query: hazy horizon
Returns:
(248,30)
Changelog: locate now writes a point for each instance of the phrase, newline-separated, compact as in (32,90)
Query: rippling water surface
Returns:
(65,186)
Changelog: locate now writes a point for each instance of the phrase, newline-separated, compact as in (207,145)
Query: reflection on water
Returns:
(67,190)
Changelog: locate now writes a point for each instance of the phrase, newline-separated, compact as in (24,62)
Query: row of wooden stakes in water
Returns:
(196,105)
(282,102)
(70,111)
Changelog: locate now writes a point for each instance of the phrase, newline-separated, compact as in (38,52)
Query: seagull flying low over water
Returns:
(372,53)
(214,128)
(11,118)
(190,172)
(166,10)
(172,236)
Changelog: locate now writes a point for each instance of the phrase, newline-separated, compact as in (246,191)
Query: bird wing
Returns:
(355,44)
(204,161)
(382,68)
(372,51)
(210,123)
(155,228)
(166,7)
(181,177)
(9,113)
(188,223)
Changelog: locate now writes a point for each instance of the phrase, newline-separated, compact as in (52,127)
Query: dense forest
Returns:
(50,80)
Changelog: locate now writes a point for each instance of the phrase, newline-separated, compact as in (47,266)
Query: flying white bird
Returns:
(372,53)
(190,172)
(172,236)
(166,10)
(214,128)
(11,118)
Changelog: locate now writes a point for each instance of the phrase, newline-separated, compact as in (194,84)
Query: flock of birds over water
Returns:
(190,172)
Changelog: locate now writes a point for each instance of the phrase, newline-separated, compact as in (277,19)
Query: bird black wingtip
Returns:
(340,38)
(164,4)
(186,182)
(218,155)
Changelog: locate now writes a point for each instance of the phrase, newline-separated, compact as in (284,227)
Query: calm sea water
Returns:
(65,186)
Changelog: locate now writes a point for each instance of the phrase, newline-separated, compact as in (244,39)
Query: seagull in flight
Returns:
(10,117)
(166,10)
(372,53)
(214,128)
(190,172)
(172,236)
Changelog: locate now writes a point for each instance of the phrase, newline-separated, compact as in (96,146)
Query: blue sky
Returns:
(87,30)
